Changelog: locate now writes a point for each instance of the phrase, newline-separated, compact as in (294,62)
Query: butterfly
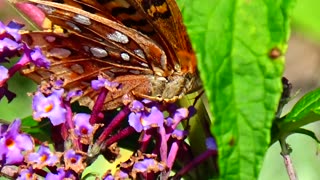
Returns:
(140,44)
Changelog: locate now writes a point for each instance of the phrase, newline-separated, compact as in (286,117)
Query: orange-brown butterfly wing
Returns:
(160,20)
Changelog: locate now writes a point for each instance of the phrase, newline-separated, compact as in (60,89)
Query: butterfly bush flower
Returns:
(121,175)
(13,143)
(72,94)
(82,125)
(4,91)
(141,119)
(137,106)
(61,174)
(83,128)
(74,161)
(142,166)
(177,116)
(42,158)
(147,165)
(3,128)
(8,48)
(50,107)
(108,177)
(34,56)
(10,30)
(3,73)
(27,174)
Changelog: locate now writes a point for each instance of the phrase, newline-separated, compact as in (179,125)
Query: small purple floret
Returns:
(43,157)
(72,156)
(102,82)
(50,106)
(144,120)
(211,144)
(34,56)
(82,125)
(60,175)
(4,74)
(26,174)
(72,94)
(12,143)
(137,106)
(108,177)
(146,165)
(12,29)
(39,59)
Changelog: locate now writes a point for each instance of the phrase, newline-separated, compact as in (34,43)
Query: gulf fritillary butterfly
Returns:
(141,44)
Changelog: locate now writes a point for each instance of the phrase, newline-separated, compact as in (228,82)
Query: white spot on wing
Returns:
(117,70)
(59,53)
(118,37)
(46,9)
(98,52)
(50,39)
(109,73)
(134,71)
(140,53)
(77,68)
(82,19)
(86,48)
(144,64)
(125,56)
(73,26)
(163,60)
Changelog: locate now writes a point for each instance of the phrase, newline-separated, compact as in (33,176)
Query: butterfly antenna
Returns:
(197,98)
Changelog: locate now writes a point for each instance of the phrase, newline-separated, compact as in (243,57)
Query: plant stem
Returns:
(285,151)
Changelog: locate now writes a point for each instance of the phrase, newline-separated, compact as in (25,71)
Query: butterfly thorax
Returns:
(174,87)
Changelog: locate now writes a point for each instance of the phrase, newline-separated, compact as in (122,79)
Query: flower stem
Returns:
(120,135)
(113,124)
(285,152)
(98,106)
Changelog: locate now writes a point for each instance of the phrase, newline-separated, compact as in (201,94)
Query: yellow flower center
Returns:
(44,157)
(48,108)
(10,143)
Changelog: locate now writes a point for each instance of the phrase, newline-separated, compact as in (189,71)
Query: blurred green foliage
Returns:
(306,18)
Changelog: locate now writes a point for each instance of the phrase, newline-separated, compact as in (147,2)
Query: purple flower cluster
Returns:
(11,45)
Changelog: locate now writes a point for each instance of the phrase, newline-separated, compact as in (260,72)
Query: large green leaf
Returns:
(233,41)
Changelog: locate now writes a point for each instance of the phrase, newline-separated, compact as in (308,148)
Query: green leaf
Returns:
(233,41)
(40,130)
(305,111)
(308,103)
(21,105)
(307,133)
